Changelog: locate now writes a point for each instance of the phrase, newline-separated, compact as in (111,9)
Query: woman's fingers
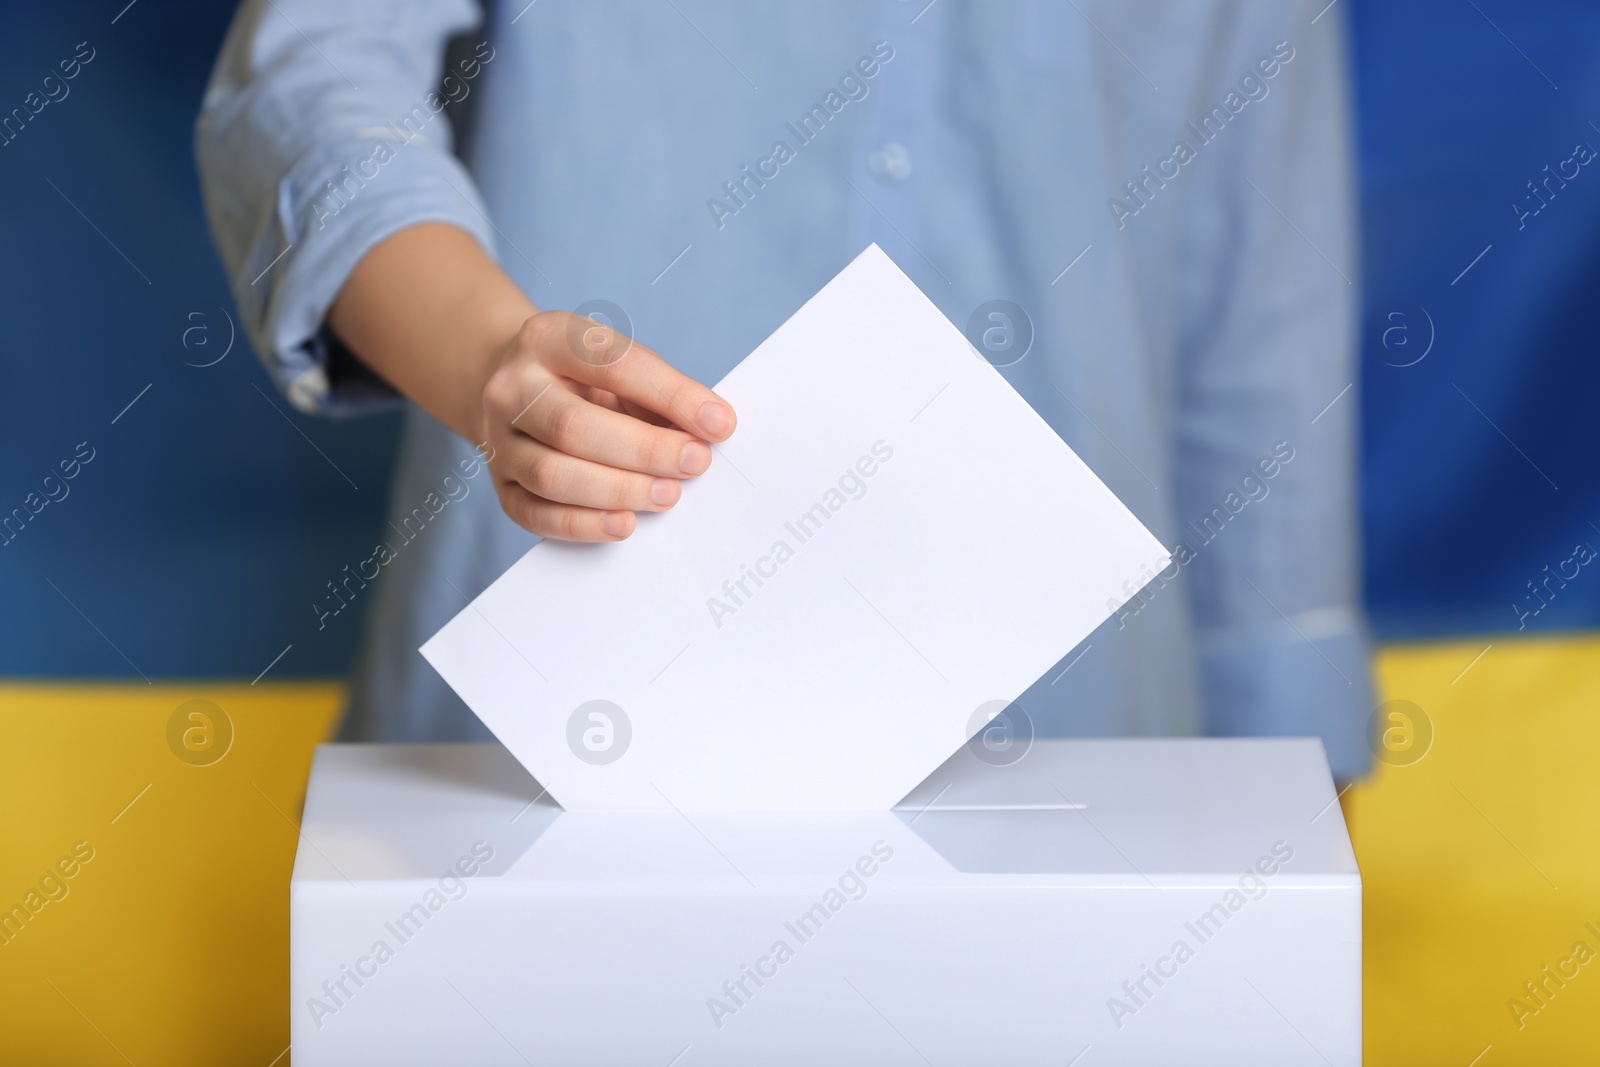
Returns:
(564,521)
(562,478)
(597,355)
(566,422)
(589,428)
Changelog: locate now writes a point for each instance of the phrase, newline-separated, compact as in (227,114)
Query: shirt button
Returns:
(891,162)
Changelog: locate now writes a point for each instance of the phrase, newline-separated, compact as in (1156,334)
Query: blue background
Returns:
(211,515)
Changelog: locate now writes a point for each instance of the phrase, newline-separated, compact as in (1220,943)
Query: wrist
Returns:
(491,323)
(432,313)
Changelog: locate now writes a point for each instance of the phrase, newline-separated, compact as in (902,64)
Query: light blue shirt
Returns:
(1165,191)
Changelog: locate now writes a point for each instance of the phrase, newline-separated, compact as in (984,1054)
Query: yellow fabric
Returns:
(1458,913)
(171,943)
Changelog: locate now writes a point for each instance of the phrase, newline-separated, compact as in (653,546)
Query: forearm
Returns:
(430,312)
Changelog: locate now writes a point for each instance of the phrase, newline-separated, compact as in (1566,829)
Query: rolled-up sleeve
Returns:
(323,132)
(1268,371)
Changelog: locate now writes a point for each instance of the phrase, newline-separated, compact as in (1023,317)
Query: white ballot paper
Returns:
(891,547)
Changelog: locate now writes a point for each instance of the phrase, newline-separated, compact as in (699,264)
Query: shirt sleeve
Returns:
(1267,372)
(323,132)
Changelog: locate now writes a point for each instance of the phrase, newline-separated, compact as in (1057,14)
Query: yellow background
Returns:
(172,946)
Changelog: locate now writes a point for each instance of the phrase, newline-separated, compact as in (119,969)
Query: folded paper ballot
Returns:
(890,549)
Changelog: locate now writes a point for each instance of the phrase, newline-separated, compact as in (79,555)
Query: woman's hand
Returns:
(584,427)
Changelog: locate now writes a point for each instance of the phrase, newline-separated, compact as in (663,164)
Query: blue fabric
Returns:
(1479,478)
(1198,353)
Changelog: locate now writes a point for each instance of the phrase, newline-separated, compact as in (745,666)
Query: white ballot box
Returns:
(1091,902)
